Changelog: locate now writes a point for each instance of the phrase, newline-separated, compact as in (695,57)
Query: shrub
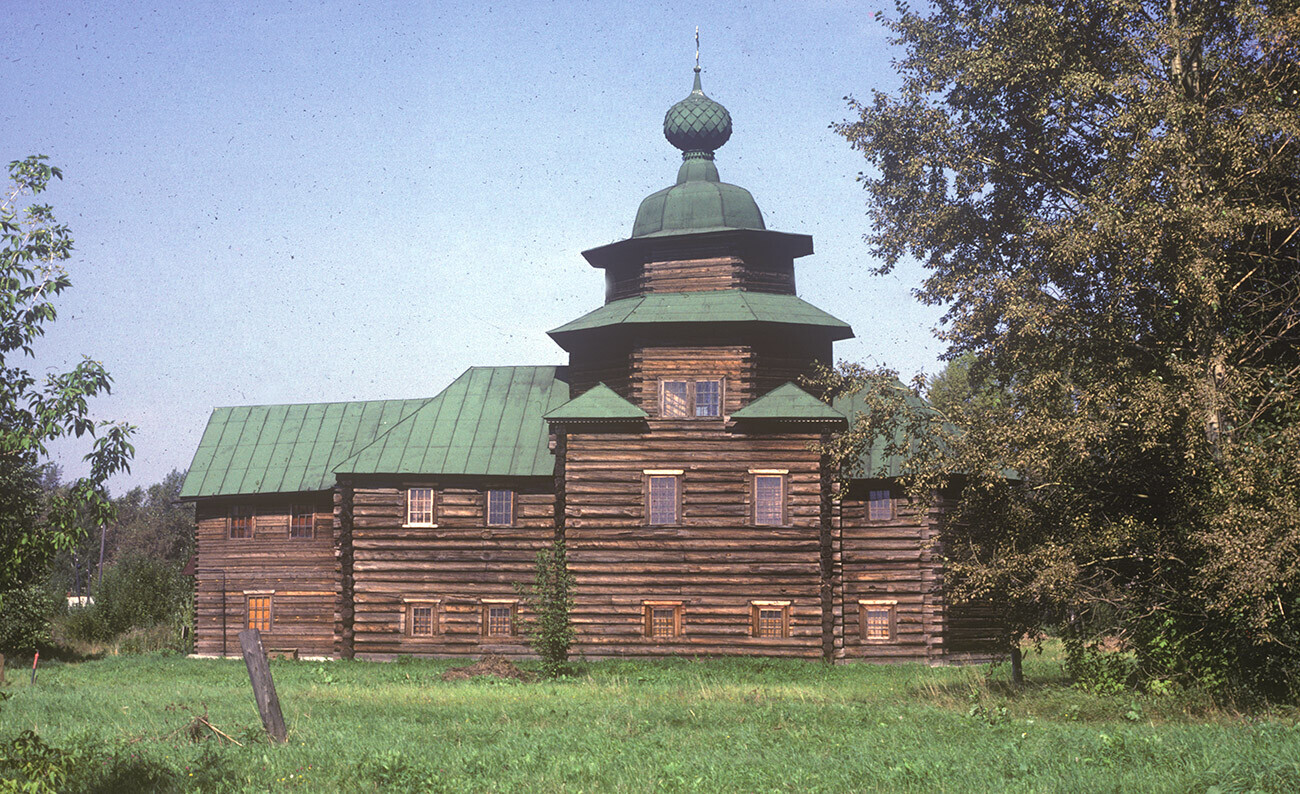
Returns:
(551,599)
(25,619)
(137,593)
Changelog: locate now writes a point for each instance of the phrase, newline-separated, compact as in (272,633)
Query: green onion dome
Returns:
(697,124)
(699,201)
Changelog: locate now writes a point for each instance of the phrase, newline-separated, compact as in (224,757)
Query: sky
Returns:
(283,202)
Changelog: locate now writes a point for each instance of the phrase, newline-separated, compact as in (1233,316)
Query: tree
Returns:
(1105,196)
(33,246)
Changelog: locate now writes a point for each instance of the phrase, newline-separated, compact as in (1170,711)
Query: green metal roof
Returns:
(600,402)
(285,448)
(714,306)
(487,422)
(874,462)
(788,401)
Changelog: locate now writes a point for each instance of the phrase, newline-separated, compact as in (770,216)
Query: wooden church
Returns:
(674,455)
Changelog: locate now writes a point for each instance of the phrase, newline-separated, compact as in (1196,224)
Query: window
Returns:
(877,620)
(880,507)
(663,619)
(663,497)
(769,499)
(419,507)
(708,398)
(682,399)
(241,522)
(301,520)
(500,508)
(422,618)
(498,617)
(676,400)
(259,612)
(769,619)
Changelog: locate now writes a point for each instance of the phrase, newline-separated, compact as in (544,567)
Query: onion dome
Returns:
(697,125)
(699,201)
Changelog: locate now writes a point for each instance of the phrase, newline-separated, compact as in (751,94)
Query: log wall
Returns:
(459,562)
(716,562)
(299,574)
(699,274)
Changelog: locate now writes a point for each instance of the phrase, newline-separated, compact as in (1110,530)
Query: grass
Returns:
(752,725)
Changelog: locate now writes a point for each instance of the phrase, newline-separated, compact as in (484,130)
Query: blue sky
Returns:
(316,201)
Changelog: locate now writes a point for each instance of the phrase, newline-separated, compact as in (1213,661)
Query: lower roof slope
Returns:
(254,449)
(487,422)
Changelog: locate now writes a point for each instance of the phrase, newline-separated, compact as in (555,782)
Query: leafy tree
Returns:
(33,246)
(1105,196)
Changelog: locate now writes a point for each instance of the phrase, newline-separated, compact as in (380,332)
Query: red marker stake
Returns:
(36,659)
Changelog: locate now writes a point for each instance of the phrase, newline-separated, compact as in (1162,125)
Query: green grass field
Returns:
(754,725)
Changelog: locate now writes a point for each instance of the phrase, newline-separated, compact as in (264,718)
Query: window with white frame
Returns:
(663,496)
(500,508)
(419,507)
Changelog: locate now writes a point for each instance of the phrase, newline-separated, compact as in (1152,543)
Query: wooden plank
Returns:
(259,674)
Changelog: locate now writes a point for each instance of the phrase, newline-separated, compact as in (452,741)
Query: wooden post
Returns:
(2,669)
(259,673)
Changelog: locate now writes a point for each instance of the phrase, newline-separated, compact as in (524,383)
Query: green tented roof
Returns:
(600,402)
(788,401)
(716,306)
(487,422)
(285,448)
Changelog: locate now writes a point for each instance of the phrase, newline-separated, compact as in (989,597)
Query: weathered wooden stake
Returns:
(35,659)
(2,668)
(259,673)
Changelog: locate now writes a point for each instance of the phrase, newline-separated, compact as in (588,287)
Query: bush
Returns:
(551,599)
(25,616)
(137,593)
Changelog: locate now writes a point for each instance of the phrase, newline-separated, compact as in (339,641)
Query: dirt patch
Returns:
(492,666)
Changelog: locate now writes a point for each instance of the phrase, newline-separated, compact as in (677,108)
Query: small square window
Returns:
(241,521)
(880,507)
(419,506)
(769,500)
(498,618)
(259,612)
(663,619)
(676,399)
(422,618)
(770,619)
(708,398)
(878,620)
(301,521)
(500,508)
(663,508)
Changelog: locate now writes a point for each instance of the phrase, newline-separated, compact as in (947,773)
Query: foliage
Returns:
(551,600)
(25,619)
(673,725)
(28,764)
(1104,195)
(147,522)
(137,592)
(33,246)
